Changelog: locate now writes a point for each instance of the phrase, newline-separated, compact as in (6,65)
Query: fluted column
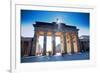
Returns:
(71,39)
(78,45)
(34,43)
(53,43)
(65,45)
(44,44)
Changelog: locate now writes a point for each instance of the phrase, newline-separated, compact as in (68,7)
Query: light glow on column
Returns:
(49,44)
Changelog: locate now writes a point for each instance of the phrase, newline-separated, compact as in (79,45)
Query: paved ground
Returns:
(66,57)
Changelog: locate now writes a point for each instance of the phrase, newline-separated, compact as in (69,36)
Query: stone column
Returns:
(34,43)
(71,39)
(45,42)
(65,45)
(53,42)
(78,44)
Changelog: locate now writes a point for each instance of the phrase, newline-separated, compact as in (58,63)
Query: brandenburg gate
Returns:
(53,38)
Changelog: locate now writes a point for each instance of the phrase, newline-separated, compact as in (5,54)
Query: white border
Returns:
(38,67)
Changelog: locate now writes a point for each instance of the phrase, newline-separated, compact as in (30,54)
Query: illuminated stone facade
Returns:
(67,35)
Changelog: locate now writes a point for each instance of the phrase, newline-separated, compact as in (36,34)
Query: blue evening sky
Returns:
(28,17)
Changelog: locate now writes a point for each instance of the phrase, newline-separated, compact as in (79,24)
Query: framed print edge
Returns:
(17,66)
